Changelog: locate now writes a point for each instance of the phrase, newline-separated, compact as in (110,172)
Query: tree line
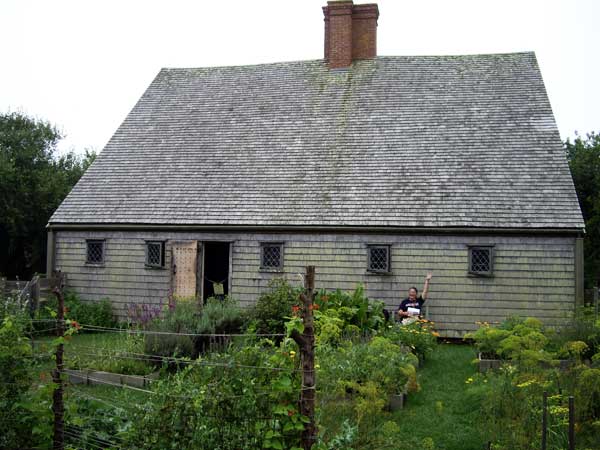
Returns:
(34,180)
(583,155)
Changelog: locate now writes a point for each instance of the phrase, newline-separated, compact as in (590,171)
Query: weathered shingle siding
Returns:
(532,275)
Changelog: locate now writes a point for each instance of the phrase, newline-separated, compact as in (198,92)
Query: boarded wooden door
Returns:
(183,264)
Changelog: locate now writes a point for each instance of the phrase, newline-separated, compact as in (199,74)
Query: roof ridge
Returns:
(379,57)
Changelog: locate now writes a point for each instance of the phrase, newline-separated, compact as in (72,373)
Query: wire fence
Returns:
(95,406)
(85,381)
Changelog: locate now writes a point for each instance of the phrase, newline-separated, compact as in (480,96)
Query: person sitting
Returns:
(410,308)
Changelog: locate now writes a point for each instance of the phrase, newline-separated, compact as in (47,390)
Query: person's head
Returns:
(412,293)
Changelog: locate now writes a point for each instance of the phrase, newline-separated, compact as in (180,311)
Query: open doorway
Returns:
(216,270)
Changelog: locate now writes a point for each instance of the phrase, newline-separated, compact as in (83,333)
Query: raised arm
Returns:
(426,287)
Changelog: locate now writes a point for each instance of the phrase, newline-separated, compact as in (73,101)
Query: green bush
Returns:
(525,340)
(187,317)
(167,346)
(419,337)
(355,381)
(378,360)
(583,327)
(510,404)
(274,307)
(25,417)
(226,401)
(358,314)
(511,396)
(98,313)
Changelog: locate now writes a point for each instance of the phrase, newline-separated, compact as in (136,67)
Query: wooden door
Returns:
(184,256)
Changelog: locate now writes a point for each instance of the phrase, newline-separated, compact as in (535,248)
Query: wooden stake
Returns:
(57,396)
(306,343)
(544,420)
(571,423)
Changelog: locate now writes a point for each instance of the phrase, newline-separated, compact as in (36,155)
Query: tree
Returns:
(33,182)
(583,155)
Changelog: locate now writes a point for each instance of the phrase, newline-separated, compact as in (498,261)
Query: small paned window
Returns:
(481,260)
(271,256)
(155,254)
(378,258)
(94,252)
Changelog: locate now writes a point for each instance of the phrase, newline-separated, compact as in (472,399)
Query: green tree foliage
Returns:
(584,160)
(33,182)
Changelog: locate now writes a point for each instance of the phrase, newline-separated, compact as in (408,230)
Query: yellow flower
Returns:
(469,380)
(292,353)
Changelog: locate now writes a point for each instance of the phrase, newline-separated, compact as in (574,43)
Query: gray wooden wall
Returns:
(533,276)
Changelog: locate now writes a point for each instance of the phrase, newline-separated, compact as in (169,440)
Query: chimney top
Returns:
(350,32)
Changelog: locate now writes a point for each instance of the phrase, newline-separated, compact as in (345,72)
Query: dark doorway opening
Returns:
(216,269)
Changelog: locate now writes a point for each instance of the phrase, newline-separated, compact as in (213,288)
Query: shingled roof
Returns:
(416,141)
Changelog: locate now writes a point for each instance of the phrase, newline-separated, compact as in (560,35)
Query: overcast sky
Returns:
(82,64)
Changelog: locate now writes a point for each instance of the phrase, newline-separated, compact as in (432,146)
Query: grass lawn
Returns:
(440,411)
(99,351)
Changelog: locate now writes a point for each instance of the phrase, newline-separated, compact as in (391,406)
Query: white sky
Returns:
(82,64)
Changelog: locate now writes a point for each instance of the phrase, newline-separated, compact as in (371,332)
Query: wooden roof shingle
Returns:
(415,141)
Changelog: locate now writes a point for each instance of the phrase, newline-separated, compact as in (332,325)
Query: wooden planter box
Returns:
(97,377)
(396,402)
(494,364)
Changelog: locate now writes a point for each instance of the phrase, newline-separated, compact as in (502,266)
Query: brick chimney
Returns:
(350,32)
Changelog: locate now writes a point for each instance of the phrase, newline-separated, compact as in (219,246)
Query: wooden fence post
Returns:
(306,343)
(544,419)
(571,423)
(57,396)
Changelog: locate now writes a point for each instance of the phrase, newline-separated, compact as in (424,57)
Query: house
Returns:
(375,169)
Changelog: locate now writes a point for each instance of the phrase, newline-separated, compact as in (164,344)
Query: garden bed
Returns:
(486,363)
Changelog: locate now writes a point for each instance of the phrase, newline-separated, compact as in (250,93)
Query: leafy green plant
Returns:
(419,337)
(24,415)
(358,314)
(379,360)
(242,398)
(200,323)
(272,308)
(518,339)
(583,327)
(97,313)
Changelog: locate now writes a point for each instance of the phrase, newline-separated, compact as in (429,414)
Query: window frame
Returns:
(162,264)
(488,247)
(87,252)
(388,248)
(264,268)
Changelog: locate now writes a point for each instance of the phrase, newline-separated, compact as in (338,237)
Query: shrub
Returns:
(167,346)
(97,313)
(519,339)
(419,337)
(186,316)
(223,402)
(379,360)
(357,313)
(355,381)
(25,417)
(583,327)
(272,309)
(511,398)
